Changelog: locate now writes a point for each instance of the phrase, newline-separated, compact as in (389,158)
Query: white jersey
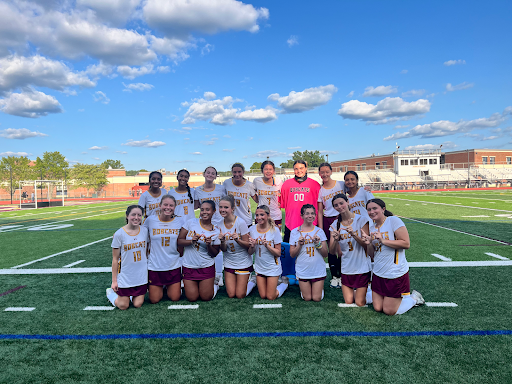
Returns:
(389,263)
(269,195)
(310,263)
(357,204)
(197,256)
(163,235)
(354,260)
(325,197)
(151,204)
(236,256)
(214,195)
(242,195)
(264,262)
(133,264)
(184,207)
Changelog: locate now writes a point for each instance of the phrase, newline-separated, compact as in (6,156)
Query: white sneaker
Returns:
(253,278)
(219,281)
(339,283)
(417,296)
(111,296)
(334,282)
(283,279)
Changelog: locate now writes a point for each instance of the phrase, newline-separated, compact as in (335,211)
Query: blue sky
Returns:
(185,84)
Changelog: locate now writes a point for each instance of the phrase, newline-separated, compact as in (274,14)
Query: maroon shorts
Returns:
(239,271)
(161,278)
(327,223)
(278,223)
(312,280)
(199,274)
(360,280)
(391,287)
(139,290)
(260,275)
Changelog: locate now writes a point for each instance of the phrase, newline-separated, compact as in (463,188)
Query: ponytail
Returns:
(188,188)
(381,204)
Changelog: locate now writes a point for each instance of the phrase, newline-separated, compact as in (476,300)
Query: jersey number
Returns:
(350,247)
(166,241)
(232,247)
(136,256)
(298,197)
(310,250)
(185,210)
(196,245)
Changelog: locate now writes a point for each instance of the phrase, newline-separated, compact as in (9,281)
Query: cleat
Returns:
(334,283)
(283,279)
(418,297)
(218,281)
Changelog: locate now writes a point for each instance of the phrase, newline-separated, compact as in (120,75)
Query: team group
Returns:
(164,247)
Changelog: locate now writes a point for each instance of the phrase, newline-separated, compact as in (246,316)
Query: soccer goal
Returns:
(42,193)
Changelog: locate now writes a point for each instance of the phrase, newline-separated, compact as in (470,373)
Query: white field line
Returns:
(264,306)
(60,253)
(58,222)
(457,195)
(73,264)
(451,205)
(110,308)
(433,304)
(19,309)
(496,256)
(478,216)
(58,271)
(74,211)
(454,230)
(435,264)
(184,306)
(441,257)
(343,305)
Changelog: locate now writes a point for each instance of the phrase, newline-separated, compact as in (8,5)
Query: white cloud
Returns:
(18,72)
(446,145)
(196,153)
(96,148)
(207,49)
(381,90)
(490,138)
(306,100)
(250,138)
(96,158)
(403,71)
(325,152)
(350,94)
(137,87)
(209,95)
(314,126)
(227,136)
(100,69)
(459,87)
(269,153)
(144,143)
(210,142)
(446,128)
(413,93)
(101,97)
(181,17)
(385,111)
(172,47)
(122,152)
(401,126)
(454,62)
(9,153)
(228,150)
(293,40)
(294,147)
(31,104)
(20,133)
(115,11)
(258,115)
(133,72)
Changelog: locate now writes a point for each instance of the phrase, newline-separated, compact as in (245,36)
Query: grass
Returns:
(480,292)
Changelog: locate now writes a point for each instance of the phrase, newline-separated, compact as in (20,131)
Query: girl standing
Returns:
(347,243)
(308,244)
(200,239)
(150,200)
(357,197)
(184,196)
(242,190)
(265,240)
(234,242)
(387,242)
(268,190)
(129,262)
(164,263)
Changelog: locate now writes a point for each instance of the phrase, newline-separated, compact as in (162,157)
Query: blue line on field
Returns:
(254,335)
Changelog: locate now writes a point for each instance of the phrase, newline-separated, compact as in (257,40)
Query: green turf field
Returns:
(467,340)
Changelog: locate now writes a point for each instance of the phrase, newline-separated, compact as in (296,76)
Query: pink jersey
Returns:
(294,195)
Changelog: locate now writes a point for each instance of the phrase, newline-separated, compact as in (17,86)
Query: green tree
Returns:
(89,176)
(52,166)
(312,158)
(115,164)
(21,170)
(256,165)
(133,173)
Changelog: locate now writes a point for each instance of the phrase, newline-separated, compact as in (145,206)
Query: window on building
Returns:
(404,162)
(423,162)
(377,165)
(509,160)
(346,168)
(414,161)
(364,166)
(492,160)
(384,164)
(484,159)
(358,167)
(432,161)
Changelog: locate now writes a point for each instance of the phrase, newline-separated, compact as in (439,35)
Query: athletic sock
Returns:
(112,296)
(369,297)
(215,289)
(219,263)
(322,295)
(301,296)
(250,287)
(407,303)
(131,299)
(281,288)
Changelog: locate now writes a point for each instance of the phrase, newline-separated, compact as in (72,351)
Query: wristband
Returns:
(319,245)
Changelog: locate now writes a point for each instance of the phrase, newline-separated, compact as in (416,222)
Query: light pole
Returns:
(10,170)
(327,155)
(468,168)
(395,161)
